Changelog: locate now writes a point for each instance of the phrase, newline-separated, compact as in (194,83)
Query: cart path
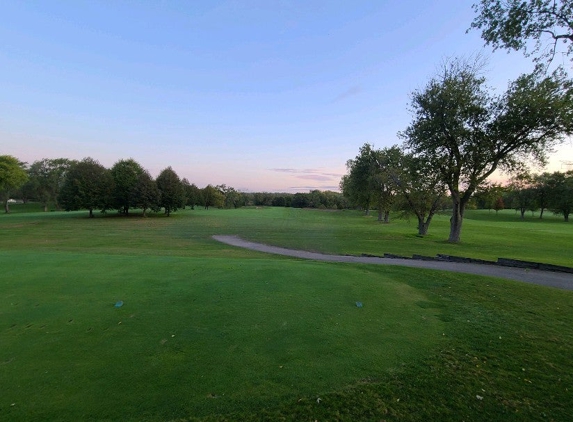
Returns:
(543,278)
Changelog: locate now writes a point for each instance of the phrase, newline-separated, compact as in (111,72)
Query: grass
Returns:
(210,332)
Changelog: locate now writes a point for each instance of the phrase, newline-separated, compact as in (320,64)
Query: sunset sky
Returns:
(259,95)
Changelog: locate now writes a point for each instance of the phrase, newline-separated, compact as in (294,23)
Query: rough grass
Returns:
(211,332)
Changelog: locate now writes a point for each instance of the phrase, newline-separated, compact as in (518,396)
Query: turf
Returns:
(246,333)
(211,332)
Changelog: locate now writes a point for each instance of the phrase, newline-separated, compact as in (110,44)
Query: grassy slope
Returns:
(212,330)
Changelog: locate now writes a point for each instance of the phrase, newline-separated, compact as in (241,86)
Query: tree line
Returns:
(77,185)
(530,192)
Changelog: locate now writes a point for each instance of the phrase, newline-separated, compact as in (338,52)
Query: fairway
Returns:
(213,332)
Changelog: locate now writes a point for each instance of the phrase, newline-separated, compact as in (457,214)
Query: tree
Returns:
(12,176)
(512,24)
(233,198)
(356,184)
(88,185)
(300,200)
(466,133)
(562,194)
(498,204)
(171,189)
(192,193)
(212,197)
(544,185)
(26,192)
(488,194)
(146,194)
(384,165)
(263,199)
(419,189)
(522,193)
(47,176)
(125,174)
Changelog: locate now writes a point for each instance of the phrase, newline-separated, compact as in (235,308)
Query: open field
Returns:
(212,332)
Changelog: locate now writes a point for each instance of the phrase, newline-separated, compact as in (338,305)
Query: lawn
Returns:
(211,332)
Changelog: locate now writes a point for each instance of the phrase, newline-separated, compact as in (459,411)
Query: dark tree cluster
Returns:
(87,185)
(390,179)
(541,192)
(314,199)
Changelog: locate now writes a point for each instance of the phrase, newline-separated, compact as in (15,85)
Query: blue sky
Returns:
(259,95)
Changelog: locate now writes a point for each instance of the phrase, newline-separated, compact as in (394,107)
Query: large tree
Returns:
(358,185)
(192,193)
(384,162)
(467,133)
(88,185)
(171,189)
(513,24)
(522,193)
(418,185)
(125,175)
(12,176)
(212,197)
(562,194)
(146,193)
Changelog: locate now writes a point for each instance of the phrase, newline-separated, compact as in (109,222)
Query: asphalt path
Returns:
(543,278)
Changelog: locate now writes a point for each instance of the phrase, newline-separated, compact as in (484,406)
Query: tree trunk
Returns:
(456,220)
(566,216)
(367,211)
(45,207)
(386,217)
(522,211)
(91,213)
(6,207)
(423,227)
(541,213)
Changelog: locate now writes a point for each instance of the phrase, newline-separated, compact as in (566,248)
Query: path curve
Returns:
(543,278)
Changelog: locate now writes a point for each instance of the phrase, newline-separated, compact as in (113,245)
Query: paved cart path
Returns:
(544,278)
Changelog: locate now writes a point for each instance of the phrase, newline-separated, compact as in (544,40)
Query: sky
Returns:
(255,94)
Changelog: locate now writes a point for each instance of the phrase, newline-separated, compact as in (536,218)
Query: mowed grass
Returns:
(485,235)
(212,332)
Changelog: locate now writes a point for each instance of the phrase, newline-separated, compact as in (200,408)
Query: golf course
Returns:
(151,319)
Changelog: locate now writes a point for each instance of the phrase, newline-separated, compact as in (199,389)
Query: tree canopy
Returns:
(88,185)
(513,24)
(357,184)
(125,175)
(172,194)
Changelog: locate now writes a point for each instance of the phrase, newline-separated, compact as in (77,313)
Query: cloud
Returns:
(307,173)
(350,92)
(317,177)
